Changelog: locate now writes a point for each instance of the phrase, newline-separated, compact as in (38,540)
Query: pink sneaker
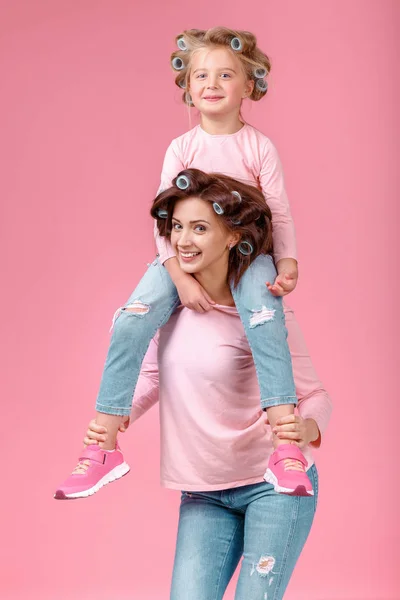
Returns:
(96,468)
(287,471)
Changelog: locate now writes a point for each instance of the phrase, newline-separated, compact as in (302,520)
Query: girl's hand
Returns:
(284,284)
(97,433)
(193,295)
(297,430)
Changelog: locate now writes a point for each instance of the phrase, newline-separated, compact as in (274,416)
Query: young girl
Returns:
(217,69)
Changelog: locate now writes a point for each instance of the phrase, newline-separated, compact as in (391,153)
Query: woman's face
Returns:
(199,237)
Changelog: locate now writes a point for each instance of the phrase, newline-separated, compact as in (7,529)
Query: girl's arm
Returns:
(172,165)
(191,293)
(284,236)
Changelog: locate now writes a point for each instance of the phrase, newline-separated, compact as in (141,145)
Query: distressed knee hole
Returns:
(259,317)
(137,307)
(264,567)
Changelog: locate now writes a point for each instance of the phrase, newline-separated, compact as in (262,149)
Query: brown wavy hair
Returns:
(246,214)
(250,56)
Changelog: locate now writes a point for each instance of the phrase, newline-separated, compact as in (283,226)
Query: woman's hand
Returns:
(193,295)
(297,430)
(97,433)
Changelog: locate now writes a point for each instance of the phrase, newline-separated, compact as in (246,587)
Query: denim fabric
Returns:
(217,528)
(131,337)
(264,323)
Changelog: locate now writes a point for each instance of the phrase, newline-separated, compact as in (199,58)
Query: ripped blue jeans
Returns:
(217,528)
(156,298)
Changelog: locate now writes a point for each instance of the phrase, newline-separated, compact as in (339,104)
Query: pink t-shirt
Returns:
(213,432)
(247,155)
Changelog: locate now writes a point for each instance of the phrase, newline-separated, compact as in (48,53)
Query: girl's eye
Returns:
(200,75)
(200,228)
(225,75)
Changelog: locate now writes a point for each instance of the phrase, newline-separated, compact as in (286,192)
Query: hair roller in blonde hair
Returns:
(182,182)
(260,72)
(182,84)
(236,44)
(180,42)
(177,64)
(261,85)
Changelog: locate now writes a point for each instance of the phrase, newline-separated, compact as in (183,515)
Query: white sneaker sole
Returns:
(116,473)
(299,491)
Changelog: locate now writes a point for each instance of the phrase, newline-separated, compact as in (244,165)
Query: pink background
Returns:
(88,107)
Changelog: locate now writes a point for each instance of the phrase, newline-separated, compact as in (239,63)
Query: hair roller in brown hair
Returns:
(182,182)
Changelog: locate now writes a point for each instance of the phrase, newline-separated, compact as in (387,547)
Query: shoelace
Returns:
(291,464)
(81,467)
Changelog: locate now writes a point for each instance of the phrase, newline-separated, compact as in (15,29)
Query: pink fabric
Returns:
(247,155)
(213,432)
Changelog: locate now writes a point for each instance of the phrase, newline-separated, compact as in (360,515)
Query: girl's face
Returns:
(199,237)
(217,82)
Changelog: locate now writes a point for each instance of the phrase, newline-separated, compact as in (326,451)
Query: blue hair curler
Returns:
(182,182)
(236,44)
(162,213)
(236,222)
(177,64)
(218,209)
(180,42)
(261,85)
(182,84)
(237,195)
(245,248)
(260,73)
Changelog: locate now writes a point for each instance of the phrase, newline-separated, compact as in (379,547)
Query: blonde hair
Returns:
(252,59)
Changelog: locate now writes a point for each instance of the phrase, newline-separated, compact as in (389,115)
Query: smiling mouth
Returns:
(212,97)
(188,254)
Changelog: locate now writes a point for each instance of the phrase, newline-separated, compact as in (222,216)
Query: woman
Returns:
(214,436)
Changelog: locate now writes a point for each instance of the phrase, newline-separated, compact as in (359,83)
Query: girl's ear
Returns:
(248,88)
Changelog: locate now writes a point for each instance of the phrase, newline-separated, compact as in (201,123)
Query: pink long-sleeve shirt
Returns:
(213,432)
(247,155)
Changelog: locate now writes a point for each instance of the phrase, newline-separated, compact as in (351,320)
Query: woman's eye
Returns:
(200,228)
(176,226)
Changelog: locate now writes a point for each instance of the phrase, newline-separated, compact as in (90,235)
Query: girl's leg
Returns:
(134,325)
(264,323)
(276,529)
(208,549)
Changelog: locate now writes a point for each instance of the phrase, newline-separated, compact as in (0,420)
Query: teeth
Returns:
(189,254)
